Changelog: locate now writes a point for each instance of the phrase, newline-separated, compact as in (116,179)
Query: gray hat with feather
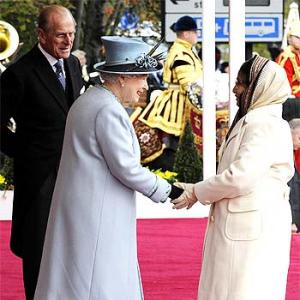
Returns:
(128,55)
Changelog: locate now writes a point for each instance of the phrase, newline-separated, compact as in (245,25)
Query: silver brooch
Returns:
(145,61)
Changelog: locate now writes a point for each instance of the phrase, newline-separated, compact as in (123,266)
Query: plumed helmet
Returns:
(295,30)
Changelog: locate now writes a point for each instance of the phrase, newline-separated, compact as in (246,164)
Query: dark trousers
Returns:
(291,109)
(34,235)
(295,199)
(30,276)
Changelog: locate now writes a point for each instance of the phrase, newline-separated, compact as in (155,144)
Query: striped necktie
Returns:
(59,73)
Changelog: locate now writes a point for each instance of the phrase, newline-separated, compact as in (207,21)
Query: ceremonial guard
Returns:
(182,75)
(289,59)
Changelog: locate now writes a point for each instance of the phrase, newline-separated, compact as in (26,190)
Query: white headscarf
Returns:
(272,86)
(268,85)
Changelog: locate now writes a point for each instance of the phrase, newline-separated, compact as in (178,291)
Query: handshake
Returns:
(183,195)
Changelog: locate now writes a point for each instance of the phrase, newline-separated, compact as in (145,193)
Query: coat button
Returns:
(212,218)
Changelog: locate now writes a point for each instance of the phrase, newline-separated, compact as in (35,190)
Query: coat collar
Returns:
(71,69)
(52,60)
(184,43)
(45,73)
(271,110)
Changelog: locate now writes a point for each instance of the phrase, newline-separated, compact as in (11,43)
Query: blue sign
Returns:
(259,28)
(129,20)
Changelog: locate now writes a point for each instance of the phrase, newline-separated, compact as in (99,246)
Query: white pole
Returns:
(208,97)
(236,47)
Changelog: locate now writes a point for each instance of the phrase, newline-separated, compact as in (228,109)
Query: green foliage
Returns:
(261,49)
(149,10)
(286,6)
(188,162)
(6,173)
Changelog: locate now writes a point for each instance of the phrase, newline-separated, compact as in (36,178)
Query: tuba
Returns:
(9,42)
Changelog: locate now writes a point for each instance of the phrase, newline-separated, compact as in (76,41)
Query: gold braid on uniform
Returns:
(167,111)
(289,54)
(150,142)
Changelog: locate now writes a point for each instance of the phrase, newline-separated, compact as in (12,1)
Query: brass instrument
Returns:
(9,42)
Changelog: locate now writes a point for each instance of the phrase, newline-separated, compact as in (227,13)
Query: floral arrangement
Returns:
(4,185)
(6,173)
(2,182)
(168,175)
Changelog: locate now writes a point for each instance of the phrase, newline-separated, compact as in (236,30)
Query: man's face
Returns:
(192,37)
(295,41)
(296,138)
(189,36)
(58,39)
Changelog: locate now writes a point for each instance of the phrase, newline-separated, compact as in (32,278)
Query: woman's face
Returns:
(239,88)
(133,87)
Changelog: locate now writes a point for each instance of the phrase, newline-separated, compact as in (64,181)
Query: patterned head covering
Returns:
(268,84)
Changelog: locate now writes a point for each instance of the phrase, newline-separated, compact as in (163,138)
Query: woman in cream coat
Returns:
(90,250)
(247,244)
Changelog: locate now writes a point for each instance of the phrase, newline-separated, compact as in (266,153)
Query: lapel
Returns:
(258,113)
(236,130)
(70,71)
(46,75)
(232,135)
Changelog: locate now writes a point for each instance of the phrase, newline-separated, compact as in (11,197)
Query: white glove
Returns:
(187,198)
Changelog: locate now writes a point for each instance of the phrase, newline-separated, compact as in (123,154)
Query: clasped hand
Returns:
(187,198)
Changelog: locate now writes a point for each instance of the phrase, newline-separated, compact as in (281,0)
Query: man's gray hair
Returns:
(294,123)
(48,11)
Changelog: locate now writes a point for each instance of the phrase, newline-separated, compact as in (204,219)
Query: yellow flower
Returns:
(2,179)
(168,175)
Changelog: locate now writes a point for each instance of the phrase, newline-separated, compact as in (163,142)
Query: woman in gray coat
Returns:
(90,250)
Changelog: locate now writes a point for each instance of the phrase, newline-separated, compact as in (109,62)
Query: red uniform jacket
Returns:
(297,159)
(289,59)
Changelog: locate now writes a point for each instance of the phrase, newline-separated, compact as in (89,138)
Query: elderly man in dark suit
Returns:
(37,92)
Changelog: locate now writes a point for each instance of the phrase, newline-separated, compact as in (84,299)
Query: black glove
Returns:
(175,192)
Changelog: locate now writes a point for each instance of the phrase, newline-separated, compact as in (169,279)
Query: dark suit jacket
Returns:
(291,109)
(295,198)
(32,95)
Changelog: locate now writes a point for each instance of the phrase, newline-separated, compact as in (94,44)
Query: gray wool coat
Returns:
(90,250)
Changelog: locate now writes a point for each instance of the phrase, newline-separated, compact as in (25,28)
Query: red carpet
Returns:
(170,260)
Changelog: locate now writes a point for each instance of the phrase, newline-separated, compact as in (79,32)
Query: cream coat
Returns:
(246,253)
(90,250)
